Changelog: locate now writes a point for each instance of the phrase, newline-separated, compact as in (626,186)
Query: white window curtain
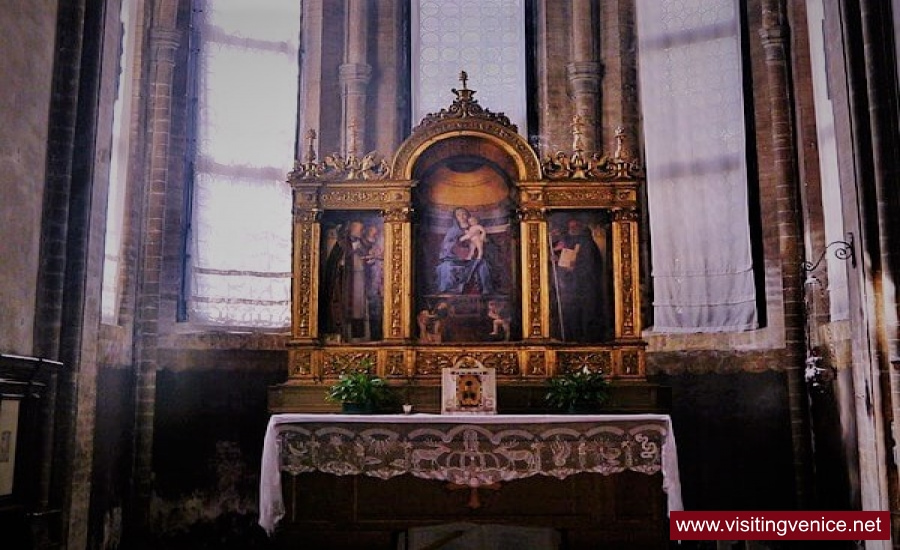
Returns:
(246,120)
(485,38)
(693,108)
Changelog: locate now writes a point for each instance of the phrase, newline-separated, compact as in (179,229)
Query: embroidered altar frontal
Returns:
(472,454)
(473,451)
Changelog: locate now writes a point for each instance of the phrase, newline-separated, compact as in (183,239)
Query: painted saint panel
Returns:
(467,250)
(351,302)
(580,275)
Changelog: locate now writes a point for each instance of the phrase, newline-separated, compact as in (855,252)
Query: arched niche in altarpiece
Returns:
(465,247)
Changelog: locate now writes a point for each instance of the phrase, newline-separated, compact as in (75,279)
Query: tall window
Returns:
(240,246)
(485,38)
(693,107)
(118,171)
(828,159)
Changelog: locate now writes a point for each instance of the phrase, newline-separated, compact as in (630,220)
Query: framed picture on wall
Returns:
(9,425)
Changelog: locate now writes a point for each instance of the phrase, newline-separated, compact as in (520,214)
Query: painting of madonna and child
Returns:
(467,276)
(468,270)
(466,249)
(468,273)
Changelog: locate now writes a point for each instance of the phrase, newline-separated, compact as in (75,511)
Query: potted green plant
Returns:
(360,392)
(582,390)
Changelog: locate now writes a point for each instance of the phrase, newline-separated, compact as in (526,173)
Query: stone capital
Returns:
(584,76)
(355,74)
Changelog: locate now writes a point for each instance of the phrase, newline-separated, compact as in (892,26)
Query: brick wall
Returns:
(26,69)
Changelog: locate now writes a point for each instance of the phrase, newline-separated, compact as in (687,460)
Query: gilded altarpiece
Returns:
(466,246)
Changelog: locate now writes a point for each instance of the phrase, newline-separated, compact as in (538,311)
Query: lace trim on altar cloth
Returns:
(471,454)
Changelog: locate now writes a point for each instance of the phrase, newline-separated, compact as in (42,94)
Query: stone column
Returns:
(584,71)
(774,35)
(354,76)
(309,113)
(51,322)
(391,90)
(164,40)
(618,50)
(881,99)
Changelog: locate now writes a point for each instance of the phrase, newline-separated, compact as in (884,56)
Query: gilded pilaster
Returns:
(535,262)
(305,260)
(398,270)
(626,275)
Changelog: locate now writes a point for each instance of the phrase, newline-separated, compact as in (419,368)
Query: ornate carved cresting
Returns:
(466,117)
(465,106)
(337,166)
(582,165)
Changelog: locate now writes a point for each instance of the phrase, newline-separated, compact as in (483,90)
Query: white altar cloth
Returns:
(489,448)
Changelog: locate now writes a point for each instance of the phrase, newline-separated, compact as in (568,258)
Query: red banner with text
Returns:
(788,525)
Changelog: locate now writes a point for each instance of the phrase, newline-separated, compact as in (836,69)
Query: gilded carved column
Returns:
(584,72)
(306,237)
(307,231)
(398,275)
(354,76)
(305,282)
(535,264)
(626,275)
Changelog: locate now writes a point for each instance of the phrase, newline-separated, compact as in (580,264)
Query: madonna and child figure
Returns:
(475,235)
(461,264)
